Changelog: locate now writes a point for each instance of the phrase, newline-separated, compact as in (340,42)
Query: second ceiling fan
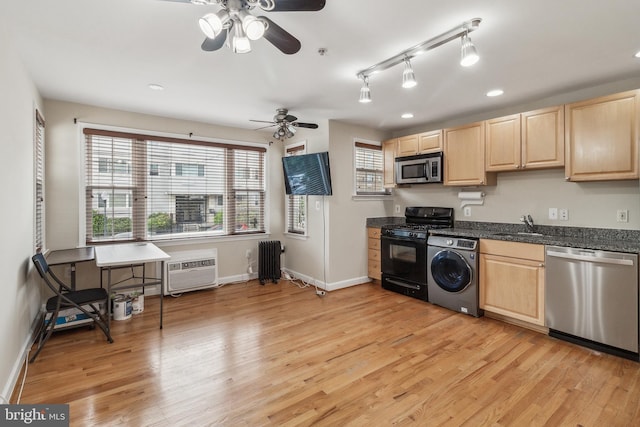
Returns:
(235,25)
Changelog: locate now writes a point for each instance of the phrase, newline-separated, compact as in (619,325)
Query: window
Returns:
(39,183)
(296,205)
(142,187)
(369,173)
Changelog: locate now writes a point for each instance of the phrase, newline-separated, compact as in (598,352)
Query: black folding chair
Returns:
(66,298)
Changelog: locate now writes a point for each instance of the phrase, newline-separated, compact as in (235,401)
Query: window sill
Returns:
(296,236)
(366,197)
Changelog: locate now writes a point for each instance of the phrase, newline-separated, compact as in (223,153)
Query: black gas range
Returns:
(404,249)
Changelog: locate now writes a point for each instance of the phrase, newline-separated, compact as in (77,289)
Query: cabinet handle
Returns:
(524,166)
(566,178)
(540,265)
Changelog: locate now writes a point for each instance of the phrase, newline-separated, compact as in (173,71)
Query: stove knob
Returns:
(412,234)
(449,242)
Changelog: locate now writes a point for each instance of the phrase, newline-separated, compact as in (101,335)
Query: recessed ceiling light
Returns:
(155,86)
(407,116)
(495,92)
(637,55)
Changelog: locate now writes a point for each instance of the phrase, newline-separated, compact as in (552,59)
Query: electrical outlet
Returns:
(553,213)
(622,215)
(397,208)
(564,214)
(467,211)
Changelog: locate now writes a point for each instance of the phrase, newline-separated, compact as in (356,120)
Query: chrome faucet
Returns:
(528,222)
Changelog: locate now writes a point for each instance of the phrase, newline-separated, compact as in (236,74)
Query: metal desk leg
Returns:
(109,297)
(161,289)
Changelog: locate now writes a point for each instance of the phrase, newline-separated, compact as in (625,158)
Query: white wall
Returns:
(19,285)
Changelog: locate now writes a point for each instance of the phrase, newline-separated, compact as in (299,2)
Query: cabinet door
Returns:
(543,138)
(407,145)
(464,156)
(503,143)
(430,142)
(601,138)
(389,155)
(512,287)
(374,269)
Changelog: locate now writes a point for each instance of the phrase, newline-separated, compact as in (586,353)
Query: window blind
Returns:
(296,205)
(369,172)
(39,183)
(146,187)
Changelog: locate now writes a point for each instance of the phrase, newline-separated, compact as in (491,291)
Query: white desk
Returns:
(130,255)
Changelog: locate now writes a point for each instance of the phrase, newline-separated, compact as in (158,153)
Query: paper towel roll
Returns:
(471,195)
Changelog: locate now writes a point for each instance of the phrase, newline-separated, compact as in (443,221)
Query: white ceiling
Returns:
(105,53)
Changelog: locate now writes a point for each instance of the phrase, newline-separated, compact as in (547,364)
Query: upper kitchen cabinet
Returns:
(503,143)
(602,138)
(531,140)
(389,155)
(427,142)
(464,153)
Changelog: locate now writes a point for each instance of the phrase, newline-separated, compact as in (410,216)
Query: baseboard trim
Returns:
(10,386)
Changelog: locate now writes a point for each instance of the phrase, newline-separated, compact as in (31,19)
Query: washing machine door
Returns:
(451,271)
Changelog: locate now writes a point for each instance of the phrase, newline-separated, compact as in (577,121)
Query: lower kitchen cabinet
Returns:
(374,253)
(512,280)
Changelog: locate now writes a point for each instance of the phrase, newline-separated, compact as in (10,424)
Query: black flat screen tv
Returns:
(307,174)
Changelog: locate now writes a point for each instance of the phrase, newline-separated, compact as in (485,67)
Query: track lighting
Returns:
(365,92)
(408,78)
(469,56)
(468,52)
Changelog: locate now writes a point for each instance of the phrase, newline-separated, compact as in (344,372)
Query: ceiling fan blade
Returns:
(306,125)
(261,121)
(289,118)
(280,38)
(297,5)
(209,45)
(265,127)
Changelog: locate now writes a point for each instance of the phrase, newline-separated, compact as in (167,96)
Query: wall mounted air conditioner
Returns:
(191,271)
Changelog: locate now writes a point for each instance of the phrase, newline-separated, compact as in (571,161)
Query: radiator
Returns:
(191,271)
(269,261)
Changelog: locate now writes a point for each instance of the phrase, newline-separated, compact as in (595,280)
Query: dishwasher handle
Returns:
(589,258)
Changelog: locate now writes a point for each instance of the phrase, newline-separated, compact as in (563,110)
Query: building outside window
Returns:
(141,187)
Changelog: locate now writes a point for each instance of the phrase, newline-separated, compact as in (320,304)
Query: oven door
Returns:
(404,258)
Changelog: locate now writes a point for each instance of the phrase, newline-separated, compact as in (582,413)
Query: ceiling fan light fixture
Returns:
(253,27)
(408,77)
(468,52)
(365,92)
(239,42)
(212,24)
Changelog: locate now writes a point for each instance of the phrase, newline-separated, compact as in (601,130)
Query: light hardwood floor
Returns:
(252,355)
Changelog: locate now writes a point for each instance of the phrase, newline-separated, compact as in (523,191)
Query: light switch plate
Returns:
(553,213)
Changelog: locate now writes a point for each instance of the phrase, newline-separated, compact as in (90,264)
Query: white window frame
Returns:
(301,148)
(386,193)
(39,231)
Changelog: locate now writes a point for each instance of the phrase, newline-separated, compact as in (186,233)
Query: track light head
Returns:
(468,53)
(365,92)
(408,77)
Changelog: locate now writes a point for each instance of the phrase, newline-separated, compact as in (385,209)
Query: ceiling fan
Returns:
(286,124)
(235,22)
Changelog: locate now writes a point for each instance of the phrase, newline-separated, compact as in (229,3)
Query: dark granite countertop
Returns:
(605,239)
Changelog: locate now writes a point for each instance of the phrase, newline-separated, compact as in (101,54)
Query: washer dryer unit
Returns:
(452,274)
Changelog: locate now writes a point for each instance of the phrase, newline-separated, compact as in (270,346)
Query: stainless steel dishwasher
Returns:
(593,295)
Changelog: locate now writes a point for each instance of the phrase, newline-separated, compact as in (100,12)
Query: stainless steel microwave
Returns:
(419,169)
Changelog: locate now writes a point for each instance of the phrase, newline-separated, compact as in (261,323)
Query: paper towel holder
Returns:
(471,198)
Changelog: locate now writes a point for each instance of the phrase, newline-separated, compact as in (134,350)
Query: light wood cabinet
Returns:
(601,138)
(374,268)
(503,143)
(407,145)
(543,138)
(389,166)
(531,140)
(423,143)
(512,280)
(464,155)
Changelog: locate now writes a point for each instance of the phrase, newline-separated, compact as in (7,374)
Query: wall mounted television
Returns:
(307,174)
